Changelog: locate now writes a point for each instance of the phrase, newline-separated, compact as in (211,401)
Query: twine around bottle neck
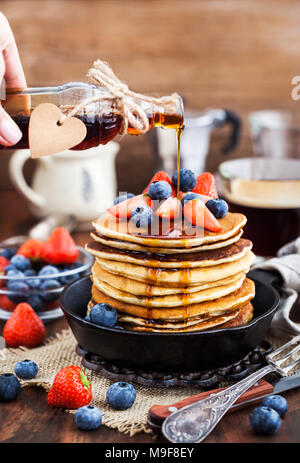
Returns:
(122,99)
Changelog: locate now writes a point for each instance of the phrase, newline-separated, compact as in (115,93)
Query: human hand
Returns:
(12,72)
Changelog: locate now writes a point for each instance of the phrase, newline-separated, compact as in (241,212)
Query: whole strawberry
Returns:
(24,327)
(60,248)
(32,249)
(206,185)
(71,388)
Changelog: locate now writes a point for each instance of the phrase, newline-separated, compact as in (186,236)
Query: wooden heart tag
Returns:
(46,136)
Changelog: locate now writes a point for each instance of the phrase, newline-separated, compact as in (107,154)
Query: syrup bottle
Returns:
(102,126)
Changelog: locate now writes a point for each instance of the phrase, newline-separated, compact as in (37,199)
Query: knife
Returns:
(158,413)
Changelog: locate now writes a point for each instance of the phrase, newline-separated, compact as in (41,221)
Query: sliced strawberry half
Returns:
(161,175)
(197,213)
(169,209)
(124,209)
(206,185)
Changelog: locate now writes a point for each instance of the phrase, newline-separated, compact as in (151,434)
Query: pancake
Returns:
(128,246)
(143,289)
(244,316)
(237,317)
(124,230)
(214,257)
(178,277)
(209,308)
(174,300)
(175,328)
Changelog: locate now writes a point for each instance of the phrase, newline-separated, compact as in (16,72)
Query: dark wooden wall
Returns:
(239,54)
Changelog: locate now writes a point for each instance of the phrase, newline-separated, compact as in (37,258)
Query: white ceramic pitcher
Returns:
(77,183)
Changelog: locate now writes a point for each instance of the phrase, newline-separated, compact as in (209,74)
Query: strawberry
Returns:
(124,209)
(24,327)
(60,248)
(169,209)
(6,304)
(52,305)
(32,249)
(71,388)
(161,175)
(197,213)
(3,263)
(206,185)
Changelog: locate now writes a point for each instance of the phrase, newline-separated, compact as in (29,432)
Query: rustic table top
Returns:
(29,418)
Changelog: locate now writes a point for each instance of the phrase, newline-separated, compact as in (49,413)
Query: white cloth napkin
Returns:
(287,264)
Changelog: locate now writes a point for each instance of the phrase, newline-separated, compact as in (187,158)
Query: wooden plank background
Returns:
(216,53)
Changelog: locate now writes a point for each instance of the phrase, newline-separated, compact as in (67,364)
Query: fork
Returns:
(193,423)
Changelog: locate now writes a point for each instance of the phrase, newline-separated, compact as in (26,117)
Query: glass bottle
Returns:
(102,123)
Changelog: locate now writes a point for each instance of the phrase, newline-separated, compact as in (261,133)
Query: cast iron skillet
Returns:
(194,351)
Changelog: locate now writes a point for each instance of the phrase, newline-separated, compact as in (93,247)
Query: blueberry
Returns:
(160,190)
(50,284)
(49,270)
(36,302)
(104,314)
(65,280)
(20,262)
(265,420)
(141,216)
(122,197)
(218,207)
(21,290)
(121,395)
(188,179)
(33,283)
(26,369)
(14,273)
(189,197)
(88,417)
(10,387)
(8,253)
(30,272)
(277,402)
(9,267)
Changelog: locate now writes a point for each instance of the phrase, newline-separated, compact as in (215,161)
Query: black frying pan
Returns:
(170,352)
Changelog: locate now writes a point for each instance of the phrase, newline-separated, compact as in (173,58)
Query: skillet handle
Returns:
(268,277)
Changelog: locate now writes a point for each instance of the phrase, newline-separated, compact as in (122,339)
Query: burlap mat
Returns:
(59,352)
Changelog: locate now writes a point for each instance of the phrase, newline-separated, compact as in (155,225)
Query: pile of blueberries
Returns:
(25,284)
(119,396)
(266,419)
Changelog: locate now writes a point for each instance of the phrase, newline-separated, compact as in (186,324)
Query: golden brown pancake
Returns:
(128,246)
(174,300)
(244,316)
(200,326)
(124,230)
(189,260)
(177,277)
(143,289)
(237,317)
(209,308)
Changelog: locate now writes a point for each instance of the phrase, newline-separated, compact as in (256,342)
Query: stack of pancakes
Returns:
(172,282)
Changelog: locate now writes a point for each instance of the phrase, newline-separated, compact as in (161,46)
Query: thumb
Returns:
(10,133)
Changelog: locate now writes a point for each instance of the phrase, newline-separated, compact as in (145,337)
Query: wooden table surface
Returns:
(29,418)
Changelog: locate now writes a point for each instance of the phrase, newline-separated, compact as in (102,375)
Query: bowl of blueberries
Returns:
(28,274)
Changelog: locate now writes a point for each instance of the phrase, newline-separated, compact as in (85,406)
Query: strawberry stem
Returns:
(84,379)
